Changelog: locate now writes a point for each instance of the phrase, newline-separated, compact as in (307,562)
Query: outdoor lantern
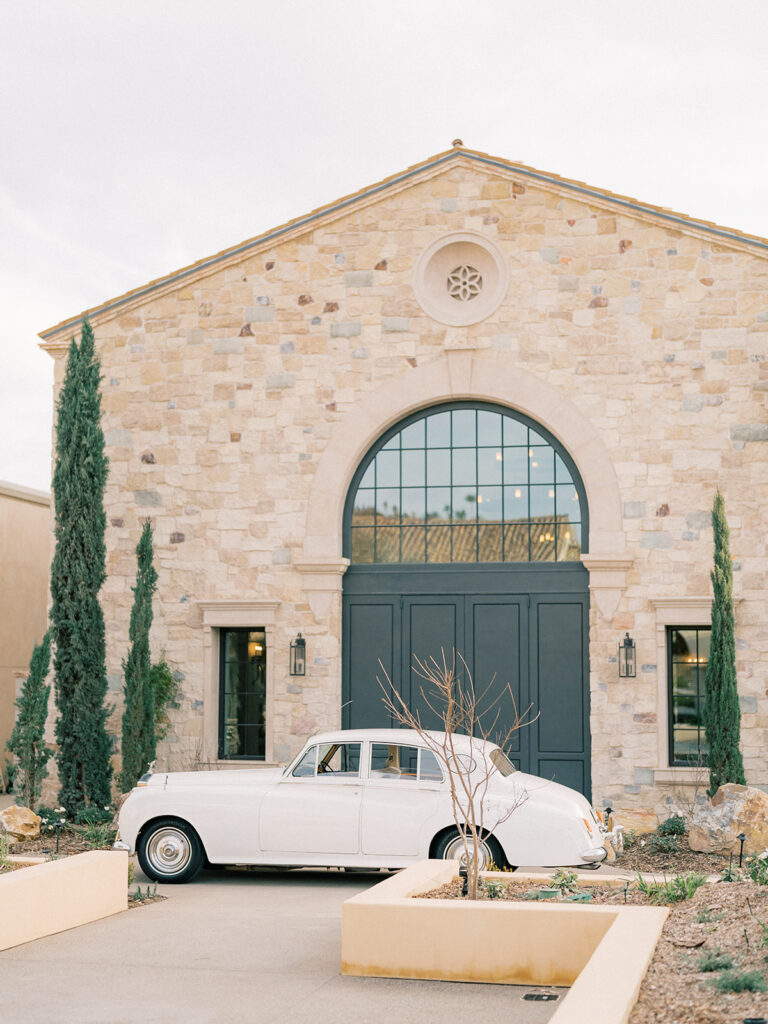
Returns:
(298,656)
(627,668)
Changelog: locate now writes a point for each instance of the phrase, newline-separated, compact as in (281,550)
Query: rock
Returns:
(640,820)
(733,809)
(19,823)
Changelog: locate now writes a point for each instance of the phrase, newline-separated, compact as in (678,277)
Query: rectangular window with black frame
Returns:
(242,694)
(687,657)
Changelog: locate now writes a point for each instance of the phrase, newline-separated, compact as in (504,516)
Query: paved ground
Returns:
(258,947)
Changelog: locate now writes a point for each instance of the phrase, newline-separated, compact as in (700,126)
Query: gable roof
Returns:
(53,336)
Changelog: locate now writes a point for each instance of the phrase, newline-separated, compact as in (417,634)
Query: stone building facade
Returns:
(248,398)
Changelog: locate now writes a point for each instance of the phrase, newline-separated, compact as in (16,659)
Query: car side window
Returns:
(393,761)
(307,765)
(339,759)
(429,768)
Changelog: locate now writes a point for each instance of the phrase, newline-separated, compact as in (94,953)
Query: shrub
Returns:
(27,739)
(165,691)
(757,867)
(565,881)
(746,981)
(714,960)
(93,815)
(663,844)
(731,874)
(675,890)
(493,889)
(50,817)
(673,826)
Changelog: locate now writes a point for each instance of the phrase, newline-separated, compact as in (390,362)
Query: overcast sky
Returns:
(137,137)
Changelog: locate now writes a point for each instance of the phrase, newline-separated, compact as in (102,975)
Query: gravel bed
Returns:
(716,920)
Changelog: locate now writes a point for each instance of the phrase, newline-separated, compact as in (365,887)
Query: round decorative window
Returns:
(461,278)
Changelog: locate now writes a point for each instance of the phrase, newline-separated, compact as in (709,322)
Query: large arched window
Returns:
(466,482)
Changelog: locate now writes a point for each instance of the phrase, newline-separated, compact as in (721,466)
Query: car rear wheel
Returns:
(170,851)
(451,847)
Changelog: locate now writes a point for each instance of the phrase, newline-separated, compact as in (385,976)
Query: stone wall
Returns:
(224,393)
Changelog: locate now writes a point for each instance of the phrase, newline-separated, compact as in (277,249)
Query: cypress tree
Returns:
(77,574)
(139,714)
(722,714)
(26,740)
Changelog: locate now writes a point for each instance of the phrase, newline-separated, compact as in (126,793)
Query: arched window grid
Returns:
(466,483)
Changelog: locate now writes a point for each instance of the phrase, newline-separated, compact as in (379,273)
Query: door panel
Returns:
(432,629)
(314,815)
(527,626)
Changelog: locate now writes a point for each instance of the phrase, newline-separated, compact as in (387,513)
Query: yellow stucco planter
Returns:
(600,952)
(52,896)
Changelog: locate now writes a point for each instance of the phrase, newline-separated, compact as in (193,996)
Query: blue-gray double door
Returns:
(526,627)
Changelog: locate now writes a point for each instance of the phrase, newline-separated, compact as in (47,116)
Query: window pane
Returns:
(516,543)
(515,432)
(387,469)
(362,545)
(388,545)
(413,543)
(568,542)
(464,435)
(464,544)
(567,502)
(490,539)
(365,503)
(489,465)
(516,504)
(233,646)
(439,430)
(688,649)
(439,467)
(464,504)
(464,468)
(542,502)
(413,468)
(489,504)
(413,436)
(488,428)
(542,465)
(234,677)
(515,465)
(387,507)
(684,646)
(542,542)
(307,764)
(438,504)
(438,544)
(414,499)
(369,477)
(338,759)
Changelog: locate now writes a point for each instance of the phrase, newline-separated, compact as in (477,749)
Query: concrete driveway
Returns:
(255,947)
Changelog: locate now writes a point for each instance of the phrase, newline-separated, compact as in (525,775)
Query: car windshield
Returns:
(501,762)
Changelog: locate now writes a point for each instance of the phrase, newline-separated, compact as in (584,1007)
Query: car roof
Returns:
(406,736)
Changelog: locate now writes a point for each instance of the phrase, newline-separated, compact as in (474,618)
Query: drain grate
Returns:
(540,997)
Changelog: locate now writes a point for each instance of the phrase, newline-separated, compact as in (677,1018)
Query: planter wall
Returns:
(600,952)
(56,895)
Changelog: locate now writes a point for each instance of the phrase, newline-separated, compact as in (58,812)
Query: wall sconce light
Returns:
(627,664)
(298,665)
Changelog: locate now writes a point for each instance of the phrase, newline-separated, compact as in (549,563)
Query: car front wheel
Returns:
(170,851)
(451,847)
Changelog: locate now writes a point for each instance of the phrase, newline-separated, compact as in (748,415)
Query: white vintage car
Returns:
(364,798)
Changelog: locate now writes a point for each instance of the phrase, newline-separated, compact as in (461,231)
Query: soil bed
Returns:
(639,857)
(716,920)
(71,841)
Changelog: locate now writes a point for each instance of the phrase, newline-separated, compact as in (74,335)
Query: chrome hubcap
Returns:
(168,851)
(455,851)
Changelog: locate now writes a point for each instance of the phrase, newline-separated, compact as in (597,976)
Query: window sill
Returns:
(681,776)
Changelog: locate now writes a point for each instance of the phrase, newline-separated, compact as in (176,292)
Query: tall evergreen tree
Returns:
(722,714)
(139,714)
(77,574)
(26,742)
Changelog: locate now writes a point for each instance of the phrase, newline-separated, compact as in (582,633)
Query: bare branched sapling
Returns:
(451,696)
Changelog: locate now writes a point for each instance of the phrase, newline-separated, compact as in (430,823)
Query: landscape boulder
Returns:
(733,809)
(19,823)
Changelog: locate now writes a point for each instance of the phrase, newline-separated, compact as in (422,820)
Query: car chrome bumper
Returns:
(120,845)
(598,854)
